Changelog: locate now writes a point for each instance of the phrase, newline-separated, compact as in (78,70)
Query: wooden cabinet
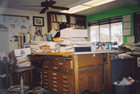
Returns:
(60,21)
(74,73)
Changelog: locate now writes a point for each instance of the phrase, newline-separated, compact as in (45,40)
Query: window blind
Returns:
(106,21)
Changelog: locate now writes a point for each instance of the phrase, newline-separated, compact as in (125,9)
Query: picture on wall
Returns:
(38,21)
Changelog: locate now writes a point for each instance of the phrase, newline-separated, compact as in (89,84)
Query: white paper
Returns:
(12,31)
(13,20)
(26,23)
(127,25)
(127,18)
(18,24)
(130,39)
(25,30)
(53,32)
(20,52)
(24,64)
(126,32)
(7,23)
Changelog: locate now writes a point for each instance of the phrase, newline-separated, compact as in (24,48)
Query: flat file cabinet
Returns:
(74,73)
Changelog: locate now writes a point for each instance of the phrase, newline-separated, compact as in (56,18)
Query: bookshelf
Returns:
(60,21)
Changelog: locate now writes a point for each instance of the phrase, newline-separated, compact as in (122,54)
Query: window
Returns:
(116,32)
(108,30)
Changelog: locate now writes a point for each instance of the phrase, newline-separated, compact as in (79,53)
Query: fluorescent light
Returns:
(87,5)
(76,9)
(97,2)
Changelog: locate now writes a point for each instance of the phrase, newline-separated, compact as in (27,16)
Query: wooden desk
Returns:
(72,73)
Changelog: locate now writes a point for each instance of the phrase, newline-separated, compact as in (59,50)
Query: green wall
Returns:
(124,10)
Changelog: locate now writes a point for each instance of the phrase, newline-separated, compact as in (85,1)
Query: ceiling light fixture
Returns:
(94,3)
(76,9)
(87,5)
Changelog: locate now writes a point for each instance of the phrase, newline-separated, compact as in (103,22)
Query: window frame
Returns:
(105,22)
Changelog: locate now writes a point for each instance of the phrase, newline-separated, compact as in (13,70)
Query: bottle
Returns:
(110,46)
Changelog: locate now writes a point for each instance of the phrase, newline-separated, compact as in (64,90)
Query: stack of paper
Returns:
(22,57)
(23,61)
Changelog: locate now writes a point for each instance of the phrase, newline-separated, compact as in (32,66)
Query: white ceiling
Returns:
(17,4)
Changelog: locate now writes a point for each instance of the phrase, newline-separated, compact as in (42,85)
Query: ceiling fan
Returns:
(46,5)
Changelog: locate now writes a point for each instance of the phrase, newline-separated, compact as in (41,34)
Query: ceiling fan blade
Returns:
(52,2)
(31,6)
(57,7)
(43,10)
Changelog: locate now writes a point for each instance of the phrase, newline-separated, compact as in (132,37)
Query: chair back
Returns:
(12,63)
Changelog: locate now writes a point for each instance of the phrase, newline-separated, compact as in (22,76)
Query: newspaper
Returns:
(125,81)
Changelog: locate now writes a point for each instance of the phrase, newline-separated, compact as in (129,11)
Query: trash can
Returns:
(122,89)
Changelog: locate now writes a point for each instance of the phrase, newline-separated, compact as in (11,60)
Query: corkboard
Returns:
(2,26)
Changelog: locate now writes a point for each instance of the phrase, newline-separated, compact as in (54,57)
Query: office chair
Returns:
(13,69)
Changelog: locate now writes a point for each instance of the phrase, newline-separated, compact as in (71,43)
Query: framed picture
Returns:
(38,21)
(38,31)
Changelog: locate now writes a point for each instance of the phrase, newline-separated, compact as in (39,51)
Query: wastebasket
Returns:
(123,89)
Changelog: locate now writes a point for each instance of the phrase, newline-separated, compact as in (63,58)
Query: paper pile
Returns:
(22,57)
(69,44)
(71,38)
(23,61)
(125,81)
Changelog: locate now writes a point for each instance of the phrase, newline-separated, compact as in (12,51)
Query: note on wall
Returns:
(130,39)
(14,24)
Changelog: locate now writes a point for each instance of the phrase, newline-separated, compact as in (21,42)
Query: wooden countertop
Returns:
(53,53)
(70,53)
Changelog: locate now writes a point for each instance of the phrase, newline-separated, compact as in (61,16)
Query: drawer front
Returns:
(60,82)
(47,64)
(64,76)
(63,64)
(59,89)
(35,58)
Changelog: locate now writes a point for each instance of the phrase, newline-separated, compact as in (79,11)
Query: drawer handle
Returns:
(61,64)
(45,72)
(45,79)
(55,89)
(65,81)
(54,81)
(45,76)
(71,64)
(65,86)
(65,90)
(55,67)
(55,85)
(65,77)
(54,74)
(45,86)
(54,78)
(46,67)
(46,83)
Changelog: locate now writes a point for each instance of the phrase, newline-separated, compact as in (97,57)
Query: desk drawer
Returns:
(63,63)
(47,64)
(59,89)
(36,58)
(60,82)
(59,75)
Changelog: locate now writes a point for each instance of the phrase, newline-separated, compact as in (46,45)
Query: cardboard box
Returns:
(73,32)
(20,52)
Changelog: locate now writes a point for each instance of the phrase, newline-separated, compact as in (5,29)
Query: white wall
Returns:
(27,13)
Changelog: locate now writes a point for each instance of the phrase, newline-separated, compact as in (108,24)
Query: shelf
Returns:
(60,21)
